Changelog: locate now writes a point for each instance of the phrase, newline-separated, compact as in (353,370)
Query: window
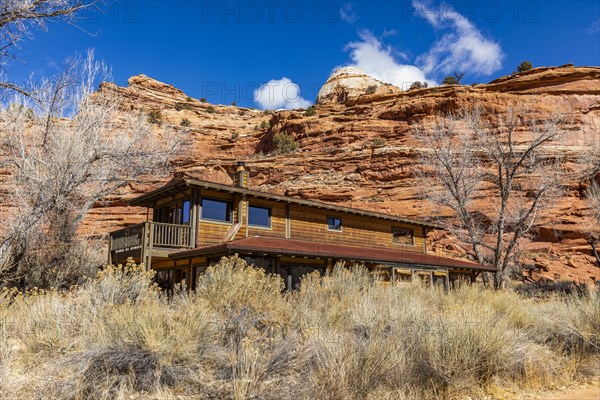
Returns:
(403,236)
(259,216)
(185,212)
(178,213)
(334,224)
(216,210)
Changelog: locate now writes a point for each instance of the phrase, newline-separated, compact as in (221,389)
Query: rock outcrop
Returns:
(360,149)
(349,83)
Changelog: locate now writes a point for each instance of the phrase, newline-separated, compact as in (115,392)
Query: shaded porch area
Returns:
(292,259)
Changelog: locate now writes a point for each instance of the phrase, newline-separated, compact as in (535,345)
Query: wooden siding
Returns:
(311,224)
(211,232)
(277,228)
(304,223)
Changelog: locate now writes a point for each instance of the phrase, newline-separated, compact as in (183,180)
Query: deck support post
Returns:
(110,239)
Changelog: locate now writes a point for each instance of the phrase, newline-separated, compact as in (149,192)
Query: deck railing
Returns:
(170,235)
(128,238)
(150,234)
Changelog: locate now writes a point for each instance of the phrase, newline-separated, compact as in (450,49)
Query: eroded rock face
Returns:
(349,83)
(340,161)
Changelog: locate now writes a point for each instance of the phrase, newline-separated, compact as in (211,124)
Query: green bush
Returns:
(378,142)
(264,125)
(234,103)
(188,99)
(371,89)
(202,100)
(210,109)
(524,66)
(310,111)
(182,106)
(283,144)
(449,80)
(154,117)
(418,85)
(185,122)
(234,136)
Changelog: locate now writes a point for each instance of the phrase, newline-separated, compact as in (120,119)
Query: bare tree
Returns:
(594,202)
(18,17)
(509,160)
(66,150)
(590,177)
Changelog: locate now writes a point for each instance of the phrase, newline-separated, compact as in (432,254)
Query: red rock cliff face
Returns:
(339,163)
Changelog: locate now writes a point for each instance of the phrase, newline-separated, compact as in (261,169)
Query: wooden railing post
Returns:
(151,227)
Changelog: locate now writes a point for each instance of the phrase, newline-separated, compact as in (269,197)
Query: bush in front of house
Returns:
(240,335)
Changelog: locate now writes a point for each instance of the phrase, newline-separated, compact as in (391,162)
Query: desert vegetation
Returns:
(283,143)
(239,336)
(64,148)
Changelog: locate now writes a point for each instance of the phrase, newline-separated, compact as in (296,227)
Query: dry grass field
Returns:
(239,336)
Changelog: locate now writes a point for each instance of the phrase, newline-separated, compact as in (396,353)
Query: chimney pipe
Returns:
(241,176)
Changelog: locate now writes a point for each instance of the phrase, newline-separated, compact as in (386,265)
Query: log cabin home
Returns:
(192,223)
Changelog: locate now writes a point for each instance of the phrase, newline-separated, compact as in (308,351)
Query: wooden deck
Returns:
(147,240)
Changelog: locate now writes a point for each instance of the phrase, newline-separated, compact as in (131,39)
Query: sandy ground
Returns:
(579,394)
(592,393)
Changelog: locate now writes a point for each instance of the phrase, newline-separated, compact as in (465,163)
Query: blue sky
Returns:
(224,51)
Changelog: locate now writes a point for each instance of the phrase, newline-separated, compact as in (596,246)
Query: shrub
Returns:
(182,106)
(264,125)
(378,142)
(371,89)
(449,80)
(210,109)
(154,117)
(239,335)
(310,111)
(188,99)
(234,136)
(524,66)
(203,100)
(185,122)
(418,85)
(233,103)
(283,144)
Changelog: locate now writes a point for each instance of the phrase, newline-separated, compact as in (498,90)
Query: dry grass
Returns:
(344,336)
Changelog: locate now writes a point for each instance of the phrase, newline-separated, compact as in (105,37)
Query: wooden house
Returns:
(193,223)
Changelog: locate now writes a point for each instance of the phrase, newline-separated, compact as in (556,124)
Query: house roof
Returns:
(179,184)
(278,246)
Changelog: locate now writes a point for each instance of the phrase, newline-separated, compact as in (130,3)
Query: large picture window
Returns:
(403,236)
(259,216)
(216,210)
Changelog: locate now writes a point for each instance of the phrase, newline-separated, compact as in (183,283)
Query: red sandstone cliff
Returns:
(337,161)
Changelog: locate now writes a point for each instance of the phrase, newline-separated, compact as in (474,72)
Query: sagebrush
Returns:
(239,335)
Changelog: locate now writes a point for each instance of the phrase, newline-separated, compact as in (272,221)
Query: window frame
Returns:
(173,212)
(341,224)
(270,226)
(229,205)
(412,236)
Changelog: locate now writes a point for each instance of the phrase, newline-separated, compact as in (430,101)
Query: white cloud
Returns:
(594,27)
(462,48)
(347,14)
(280,93)
(379,62)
